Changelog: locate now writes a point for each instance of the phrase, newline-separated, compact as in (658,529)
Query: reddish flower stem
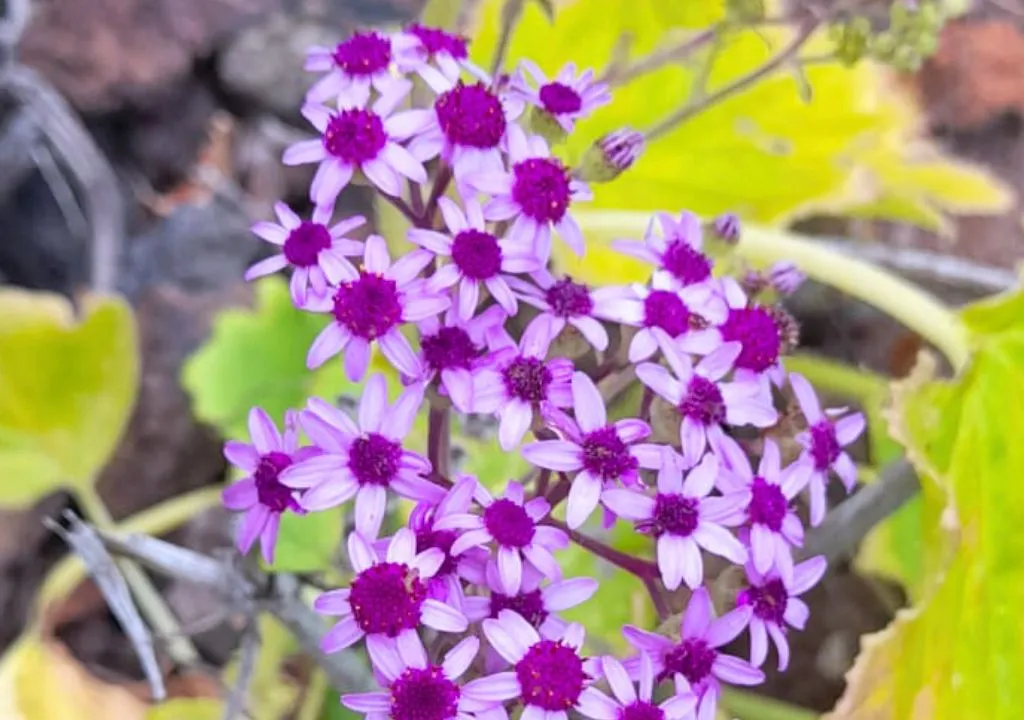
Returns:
(643,569)
(438,439)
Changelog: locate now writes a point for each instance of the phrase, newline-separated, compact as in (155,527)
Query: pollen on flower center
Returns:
(703,401)
(824,445)
(355,136)
(471,115)
(551,676)
(605,455)
(427,538)
(540,187)
(666,310)
(368,306)
(363,54)
(673,514)
(641,710)
(304,243)
(477,254)
(687,264)
(769,601)
(437,41)
(270,491)
(692,658)
(509,524)
(424,694)
(387,598)
(559,99)
(768,506)
(529,605)
(373,459)
(527,379)
(755,329)
(449,347)
(569,299)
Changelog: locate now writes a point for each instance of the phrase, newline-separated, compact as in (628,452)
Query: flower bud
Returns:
(611,155)
(727,227)
(785,277)
(540,122)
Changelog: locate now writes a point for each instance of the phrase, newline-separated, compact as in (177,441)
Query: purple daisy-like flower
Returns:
(371,306)
(567,98)
(416,688)
(537,192)
(756,329)
(318,253)
(363,461)
(682,518)
(549,676)
(596,450)
(676,250)
(260,494)
(775,605)
(513,525)
(694,662)
(762,504)
(823,443)
(629,703)
(704,401)
(477,258)
(418,45)
(566,302)
(520,382)
(387,600)
(675,317)
(359,138)
(352,68)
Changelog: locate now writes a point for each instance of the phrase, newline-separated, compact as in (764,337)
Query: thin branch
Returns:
(657,59)
(510,13)
(248,650)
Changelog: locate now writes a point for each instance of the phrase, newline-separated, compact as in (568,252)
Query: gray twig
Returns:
(248,650)
(13,24)
(86,543)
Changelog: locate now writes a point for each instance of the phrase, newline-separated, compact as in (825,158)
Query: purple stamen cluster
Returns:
(355,136)
(424,694)
(271,492)
(449,347)
(665,310)
(477,254)
(363,54)
(541,188)
(551,676)
(471,115)
(529,605)
(373,459)
(527,379)
(387,598)
(605,455)
(509,524)
(569,299)
(756,330)
(368,306)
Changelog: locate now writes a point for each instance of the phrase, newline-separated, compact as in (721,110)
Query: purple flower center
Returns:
(692,658)
(471,115)
(368,306)
(755,329)
(477,254)
(703,401)
(824,444)
(529,605)
(605,455)
(666,310)
(424,694)
(449,347)
(270,492)
(768,506)
(569,299)
(509,524)
(437,41)
(427,538)
(687,264)
(769,601)
(673,514)
(527,379)
(641,710)
(363,54)
(559,99)
(355,136)
(387,598)
(373,459)
(305,242)
(551,676)
(540,187)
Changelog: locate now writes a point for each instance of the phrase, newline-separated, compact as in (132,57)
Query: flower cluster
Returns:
(469,319)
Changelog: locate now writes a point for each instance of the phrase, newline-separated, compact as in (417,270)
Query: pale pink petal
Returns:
(458,660)
(345,634)
(698,614)
(371,504)
(569,593)
(515,421)
(357,359)
(443,618)
(629,504)
(240,496)
(849,428)
(736,671)
(333,602)
(331,341)
(557,455)
(806,397)
(758,642)
(618,680)
(266,266)
(726,628)
(584,495)
(495,688)
(366,703)
(263,432)
(595,704)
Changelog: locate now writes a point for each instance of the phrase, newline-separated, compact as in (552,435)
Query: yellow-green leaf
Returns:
(67,388)
(187,709)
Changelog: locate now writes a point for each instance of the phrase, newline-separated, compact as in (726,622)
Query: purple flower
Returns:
(567,98)
(537,191)
(597,451)
(417,689)
(419,44)
(695,662)
(674,317)
(359,138)
(775,605)
(477,258)
(762,503)
(703,400)
(363,461)
(353,67)
(565,301)
(757,330)
(628,703)
(387,599)
(549,676)
(520,383)
(677,250)
(317,252)
(823,444)
(371,306)
(260,493)
(513,525)
(682,518)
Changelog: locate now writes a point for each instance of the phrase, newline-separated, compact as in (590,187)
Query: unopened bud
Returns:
(727,227)
(611,156)
(789,329)
(785,277)
(540,122)
(754,283)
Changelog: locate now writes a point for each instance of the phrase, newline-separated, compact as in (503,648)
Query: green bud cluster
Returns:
(911,37)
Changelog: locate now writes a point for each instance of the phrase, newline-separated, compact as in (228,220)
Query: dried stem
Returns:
(658,59)
(248,652)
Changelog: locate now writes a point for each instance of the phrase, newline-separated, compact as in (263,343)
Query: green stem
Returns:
(747,705)
(839,378)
